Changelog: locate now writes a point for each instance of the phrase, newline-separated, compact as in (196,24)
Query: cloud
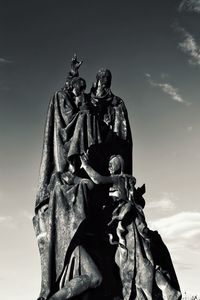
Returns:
(164,75)
(4,219)
(7,221)
(168,89)
(181,230)
(190,5)
(183,266)
(181,234)
(148,75)
(189,46)
(189,128)
(21,218)
(166,203)
(27,215)
(4,61)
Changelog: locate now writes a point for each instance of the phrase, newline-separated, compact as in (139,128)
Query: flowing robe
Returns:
(57,231)
(115,129)
(145,266)
(68,132)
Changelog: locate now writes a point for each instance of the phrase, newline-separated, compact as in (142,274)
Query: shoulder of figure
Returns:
(60,94)
(63,97)
(117,101)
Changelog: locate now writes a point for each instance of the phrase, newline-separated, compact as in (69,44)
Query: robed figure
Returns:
(96,123)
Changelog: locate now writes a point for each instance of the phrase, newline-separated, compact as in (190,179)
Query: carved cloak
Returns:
(57,231)
(68,132)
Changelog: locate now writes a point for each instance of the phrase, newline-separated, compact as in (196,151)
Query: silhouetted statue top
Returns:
(116,132)
(70,130)
(78,122)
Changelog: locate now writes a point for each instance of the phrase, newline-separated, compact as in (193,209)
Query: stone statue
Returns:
(92,235)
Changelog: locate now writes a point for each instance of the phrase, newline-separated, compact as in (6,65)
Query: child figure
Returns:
(78,86)
(121,190)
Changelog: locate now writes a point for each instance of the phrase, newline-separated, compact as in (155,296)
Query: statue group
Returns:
(93,239)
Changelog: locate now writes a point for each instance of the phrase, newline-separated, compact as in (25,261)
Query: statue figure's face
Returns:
(114,166)
(78,86)
(104,78)
(76,90)
(103,82)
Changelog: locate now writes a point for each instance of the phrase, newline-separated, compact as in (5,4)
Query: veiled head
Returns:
(104,78)
(78,85)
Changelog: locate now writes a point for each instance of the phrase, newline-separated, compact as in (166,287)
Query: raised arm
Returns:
(95,176)
(75,65)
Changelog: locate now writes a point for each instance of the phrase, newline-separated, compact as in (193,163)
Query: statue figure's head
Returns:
(78,86)
(116,164)
(104,78)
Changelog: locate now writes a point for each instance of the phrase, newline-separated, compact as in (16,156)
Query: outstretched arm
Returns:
(95,176)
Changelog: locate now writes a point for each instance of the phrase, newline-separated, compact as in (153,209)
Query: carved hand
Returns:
(84,160)
(75,65)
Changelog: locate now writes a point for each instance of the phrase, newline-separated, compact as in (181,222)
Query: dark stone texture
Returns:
(92,235)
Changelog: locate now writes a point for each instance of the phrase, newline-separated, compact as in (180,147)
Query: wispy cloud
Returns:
(7,221)
(184,266)
(27,215)
(168,89)
(164,76)
(21,217)
(181,234)
(4,61)
(189,46)
(4,219)
(165,203)
(190,5)
(183,228)
(189,128)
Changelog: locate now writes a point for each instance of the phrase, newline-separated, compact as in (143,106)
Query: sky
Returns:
(153,50)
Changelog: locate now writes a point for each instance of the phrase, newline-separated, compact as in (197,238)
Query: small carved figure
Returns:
(78,86)
(121,190)
(75,65)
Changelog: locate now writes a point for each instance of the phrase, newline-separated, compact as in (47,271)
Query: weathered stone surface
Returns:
(90,226)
